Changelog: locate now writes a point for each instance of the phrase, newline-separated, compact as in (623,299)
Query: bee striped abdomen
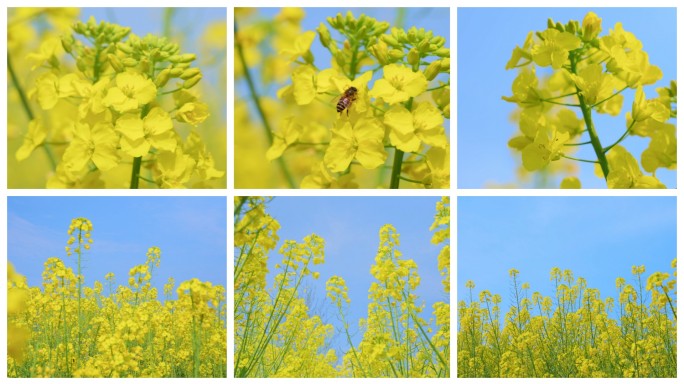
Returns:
(343,104)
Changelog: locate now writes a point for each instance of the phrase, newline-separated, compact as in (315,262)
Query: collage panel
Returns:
(567,98)
(116,98)
(342,287)
(116,287)
(342,98)
(567,287)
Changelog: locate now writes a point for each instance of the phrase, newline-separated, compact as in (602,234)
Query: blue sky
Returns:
(350,228)
(190,231)
(486,38)
(434,19)
(598,238)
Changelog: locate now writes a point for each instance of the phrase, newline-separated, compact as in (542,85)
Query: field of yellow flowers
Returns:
(277,336)
(66,329)
(357,102)
(92,104)
(574,332)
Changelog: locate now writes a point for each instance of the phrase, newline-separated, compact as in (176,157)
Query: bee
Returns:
(348,97)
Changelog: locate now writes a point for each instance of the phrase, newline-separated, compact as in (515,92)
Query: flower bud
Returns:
(412,34)
(162,78)
(192,82)
(390,40)
(125,48)
(176,72)
(380,51)
(396,54)
(188,73)
(591,26)
(324,34)
(432,70)
(413,57)
(443,52)
(445,65)
(129,62)
(185,58)
(560,26)
(115,62)
(68,43)
(339,20)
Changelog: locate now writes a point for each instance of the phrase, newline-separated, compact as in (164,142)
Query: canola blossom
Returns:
(66,329)
(575,332)
(278,335)
(590,70)
(102,107)
(299,140)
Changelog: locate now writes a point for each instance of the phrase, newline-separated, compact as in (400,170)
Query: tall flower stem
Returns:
(27,108)
(255,98)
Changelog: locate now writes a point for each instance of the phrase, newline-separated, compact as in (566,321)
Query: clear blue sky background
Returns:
(598,238)
(486,38)
(190,231)
(434,19)
(350,228)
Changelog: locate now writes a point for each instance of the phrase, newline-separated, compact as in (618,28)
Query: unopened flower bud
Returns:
(163,78)
(324,34)
(413,57)
(188,73)
(591,26)
(432,70)
(115,62)
(192,82)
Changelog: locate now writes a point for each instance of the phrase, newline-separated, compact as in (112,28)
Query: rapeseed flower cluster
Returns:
(390,131)
(106,108)
(573,333)
(277,334)
(66,329)
(589,73)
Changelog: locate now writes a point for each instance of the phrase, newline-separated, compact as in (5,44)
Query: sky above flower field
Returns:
(598,238)
(190,231)
(350,228)
(486,38)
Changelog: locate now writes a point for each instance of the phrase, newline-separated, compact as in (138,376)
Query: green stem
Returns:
(396,168)
(411,180)
(582,160)
(264,120)
(609,97)
(624,135)
(135,172)
(586,112)
(27,107)
(439,87)
(577,144)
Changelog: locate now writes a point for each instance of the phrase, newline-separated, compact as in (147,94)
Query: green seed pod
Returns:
(115,63)
(162,78)
(192,82)
(432,70)
(188,73)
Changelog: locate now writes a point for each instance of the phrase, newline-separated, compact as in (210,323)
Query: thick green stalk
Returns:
(135,172)
(27,108)
(262,115)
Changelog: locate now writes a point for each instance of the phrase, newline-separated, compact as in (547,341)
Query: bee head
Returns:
(353,89)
